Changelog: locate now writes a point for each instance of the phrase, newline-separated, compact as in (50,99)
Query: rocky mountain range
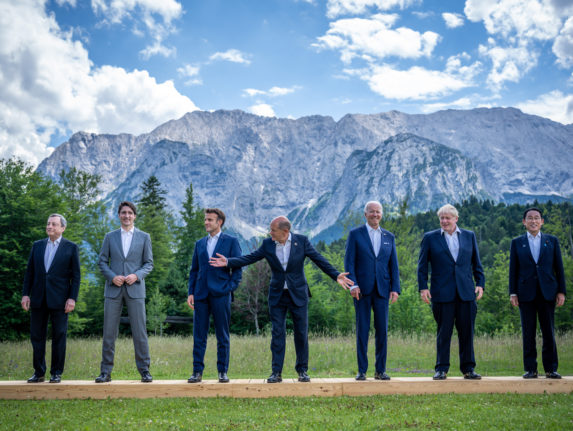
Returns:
(319,171)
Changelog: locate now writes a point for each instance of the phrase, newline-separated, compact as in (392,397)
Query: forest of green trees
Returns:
(27,198)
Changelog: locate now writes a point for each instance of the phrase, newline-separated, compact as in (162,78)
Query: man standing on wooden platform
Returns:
(453,256)
(536,285)
(50,292)
(211,293)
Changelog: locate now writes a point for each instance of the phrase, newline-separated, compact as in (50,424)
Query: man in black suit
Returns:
(453,256)
(536,285)
(50,291)
(285,253)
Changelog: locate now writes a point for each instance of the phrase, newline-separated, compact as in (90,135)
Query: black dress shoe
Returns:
(530,375)
(146,377)
(223,378)
(36,379)
(55,378)
(440,375)
(275,378)
(303,377)
(381,376)
(360,376)
(195,378)
(103,378)
(552,375)
(472,375)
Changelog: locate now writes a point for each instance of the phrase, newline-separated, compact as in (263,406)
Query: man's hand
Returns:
(355,293)
(25,303)
(130,279)
(191,302)
(219,262)
(393,297)
(425,295)
(514,301)
(344,281)
(560,299)
(70,305)
(479,292)
(118,280)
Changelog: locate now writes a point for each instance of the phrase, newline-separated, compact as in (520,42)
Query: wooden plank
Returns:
(258,388)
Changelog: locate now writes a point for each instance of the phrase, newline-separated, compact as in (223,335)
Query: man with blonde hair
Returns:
(453,256)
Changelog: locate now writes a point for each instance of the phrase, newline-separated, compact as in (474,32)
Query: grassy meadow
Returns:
(330,356)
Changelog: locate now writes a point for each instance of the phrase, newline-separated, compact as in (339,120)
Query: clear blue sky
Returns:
(111,66)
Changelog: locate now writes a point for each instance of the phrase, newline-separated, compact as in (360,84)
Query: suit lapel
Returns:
(294,248)
(367,240)
(58,253)
(541,247)
(116,238)
(42,252)
(445,244)
(526,248)
(218,246)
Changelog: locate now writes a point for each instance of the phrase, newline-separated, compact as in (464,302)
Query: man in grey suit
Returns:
(125,259)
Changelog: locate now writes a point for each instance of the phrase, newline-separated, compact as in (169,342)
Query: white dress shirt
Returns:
(212,243)
(534,245)
(375,238)
(453,241)
(126,238)
(283,253)
(50,252)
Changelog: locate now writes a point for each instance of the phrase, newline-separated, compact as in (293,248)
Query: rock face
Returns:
(319,171)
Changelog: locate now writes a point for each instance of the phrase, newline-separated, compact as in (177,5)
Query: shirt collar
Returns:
(286,242)
(529,236)
(57,241)
(212,237)
(130,231)
(456,231)
(372,230)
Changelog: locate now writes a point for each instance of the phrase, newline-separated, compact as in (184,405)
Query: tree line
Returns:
(27,198)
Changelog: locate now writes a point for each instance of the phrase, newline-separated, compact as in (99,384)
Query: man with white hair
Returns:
(372,263)
(454,259)
(50,291)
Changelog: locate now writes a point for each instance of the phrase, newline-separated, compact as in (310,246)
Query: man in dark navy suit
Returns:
(453,256)
(288,291)
(50,291)
(536,285)
(372,264)
(210,294)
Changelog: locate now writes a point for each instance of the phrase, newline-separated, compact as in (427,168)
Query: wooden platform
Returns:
(258,388)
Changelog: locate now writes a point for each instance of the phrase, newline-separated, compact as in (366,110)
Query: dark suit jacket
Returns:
(449,276)
(139,261)
(205,279)
(60,283)
(524,273)
(294,273)
(368,270)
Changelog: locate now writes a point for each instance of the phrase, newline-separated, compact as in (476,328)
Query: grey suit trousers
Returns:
(137,320)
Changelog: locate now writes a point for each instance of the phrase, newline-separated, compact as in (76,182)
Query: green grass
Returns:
(250,358)
(330,356)
(455,412)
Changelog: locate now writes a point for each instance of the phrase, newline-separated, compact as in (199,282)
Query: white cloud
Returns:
(262,109)
(453,20)
(554,105)
(374,37)
(191,73)
(415,83)
(143,12)
(272,92)
(508,63)
(49,85)
(335,8)
(532,19)
(232,55)
(563,45)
